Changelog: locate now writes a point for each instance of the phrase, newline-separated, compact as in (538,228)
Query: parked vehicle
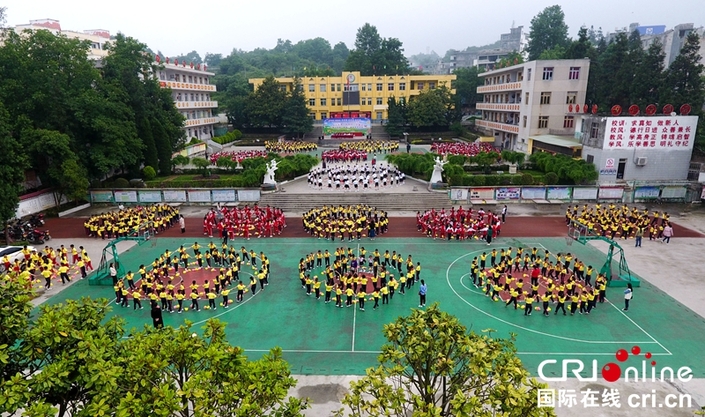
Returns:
(13,253)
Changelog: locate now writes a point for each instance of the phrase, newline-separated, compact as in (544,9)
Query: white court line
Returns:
(353,329)
(640,328)
(377,352)
(514,324)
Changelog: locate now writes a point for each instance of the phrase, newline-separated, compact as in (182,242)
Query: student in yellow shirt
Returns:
(211,298)
(317,287)
(528,303)
(64,274)
(225,292)
(375,297)
(240,291)
(46,273)
(361,299)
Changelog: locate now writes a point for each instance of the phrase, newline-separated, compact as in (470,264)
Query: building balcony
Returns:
(504,127)
(185,105)
(186,86)
(200,122)
(498,87)
(498,106)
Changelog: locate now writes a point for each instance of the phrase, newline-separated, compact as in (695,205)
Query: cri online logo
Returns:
(612,372)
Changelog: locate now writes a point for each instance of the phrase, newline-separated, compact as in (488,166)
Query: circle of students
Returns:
(127,221)
(237,156)
(371,146)
(165,284)
(460,224)
(464,149)
(343,222)
(534,279)
(621,221)
(289,147)
(244,222)
(354,277)
(355,177)
(50,264)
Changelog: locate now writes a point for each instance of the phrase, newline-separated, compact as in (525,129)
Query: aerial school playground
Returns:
(319,339)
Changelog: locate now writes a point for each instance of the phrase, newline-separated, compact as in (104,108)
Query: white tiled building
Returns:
(98,38)
(191,90)
(535,105)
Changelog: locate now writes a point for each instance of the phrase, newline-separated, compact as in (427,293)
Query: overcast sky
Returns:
(178,27)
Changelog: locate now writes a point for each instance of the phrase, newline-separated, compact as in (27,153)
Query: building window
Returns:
(379,86)
(419,86)
(282,87)
(594,130)
(313,116)
(546,97)
(324,116)
(322,88)
(543,122)
(338,101)
(379,100)
(369,86)
(568,122)
(432,85)
(589,159)
(526,99)
(338,87)
(369,101)
(524,121)
(390,86)
(574,73)
(402,86)
(364,87)
(311,88)
(547,73)
(571,97)
(323,102)
(311,102)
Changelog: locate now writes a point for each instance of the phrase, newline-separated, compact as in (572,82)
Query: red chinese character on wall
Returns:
(652,144)
(611,144)
(662,143)
(678,143)
(630,144)
(619,143)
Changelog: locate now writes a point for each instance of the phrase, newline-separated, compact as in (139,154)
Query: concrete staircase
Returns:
(388,201)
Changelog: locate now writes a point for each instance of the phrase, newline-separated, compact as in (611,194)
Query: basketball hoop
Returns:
(569,240)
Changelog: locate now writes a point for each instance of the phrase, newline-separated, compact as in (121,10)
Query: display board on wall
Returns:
(101,196)
(558,193)
(248,195)
(611,193)
(508,193)
(588,193)
(199,196)
(653,132)
(459,194)
(482,193)
(673,192)
(646,192)
(223,196)
(38,203)
(125,196)
(174,196)
(533,193)
(150,196)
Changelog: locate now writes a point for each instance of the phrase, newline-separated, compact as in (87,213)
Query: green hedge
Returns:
(228,137)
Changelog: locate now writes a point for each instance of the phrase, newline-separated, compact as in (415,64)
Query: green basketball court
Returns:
(320,339)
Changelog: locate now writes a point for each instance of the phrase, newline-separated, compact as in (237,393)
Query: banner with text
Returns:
(653,132)
(533,193)
(584,193)
(101,196)
(482,194)
(459,194)
(175,196)
(150,196)
(646,192)
(125,196)
(508,193)
(611,193)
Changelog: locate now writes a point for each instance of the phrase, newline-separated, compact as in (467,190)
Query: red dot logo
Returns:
(653,363)
(622,355)
(648,355)
(611,372)
(636,350)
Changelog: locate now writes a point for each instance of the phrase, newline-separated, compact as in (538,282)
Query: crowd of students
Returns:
(461,148)
(351,222)
(245,222)
(620,221)
(371,146)
(164,283)
(460,224)
(532,279)
(237,156)
(289,147)
(51,264)
(349,276)
(355,177)
(339,155)
(127,221)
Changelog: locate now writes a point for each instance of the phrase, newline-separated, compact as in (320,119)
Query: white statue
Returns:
(438,170)
(269,176)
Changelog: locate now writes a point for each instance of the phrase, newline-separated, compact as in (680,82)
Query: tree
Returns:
(191,57)
(151,157)
(180,160)
(466,83)
(396,116)
(649,77)
(296,118)
(684,78)
(12,164)
(432,366)
(548,30)
(266,104)
(426,110)
(202,164)
(580,48)
(616,73)
(374,55)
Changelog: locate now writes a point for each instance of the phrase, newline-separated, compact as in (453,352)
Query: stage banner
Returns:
(558,193)
(125,196)
(175,196)
(224,196)
(150,196)
(482,194)
(585,193)
(533,193)
(360,125)
(508,193)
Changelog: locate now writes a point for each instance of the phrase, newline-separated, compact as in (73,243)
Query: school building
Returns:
(534,105)
(351,95)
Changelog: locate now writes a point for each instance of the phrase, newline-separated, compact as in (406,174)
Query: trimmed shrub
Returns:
(149,173)
(120,183)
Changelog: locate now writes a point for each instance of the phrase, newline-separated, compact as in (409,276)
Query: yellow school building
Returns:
(353,95)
